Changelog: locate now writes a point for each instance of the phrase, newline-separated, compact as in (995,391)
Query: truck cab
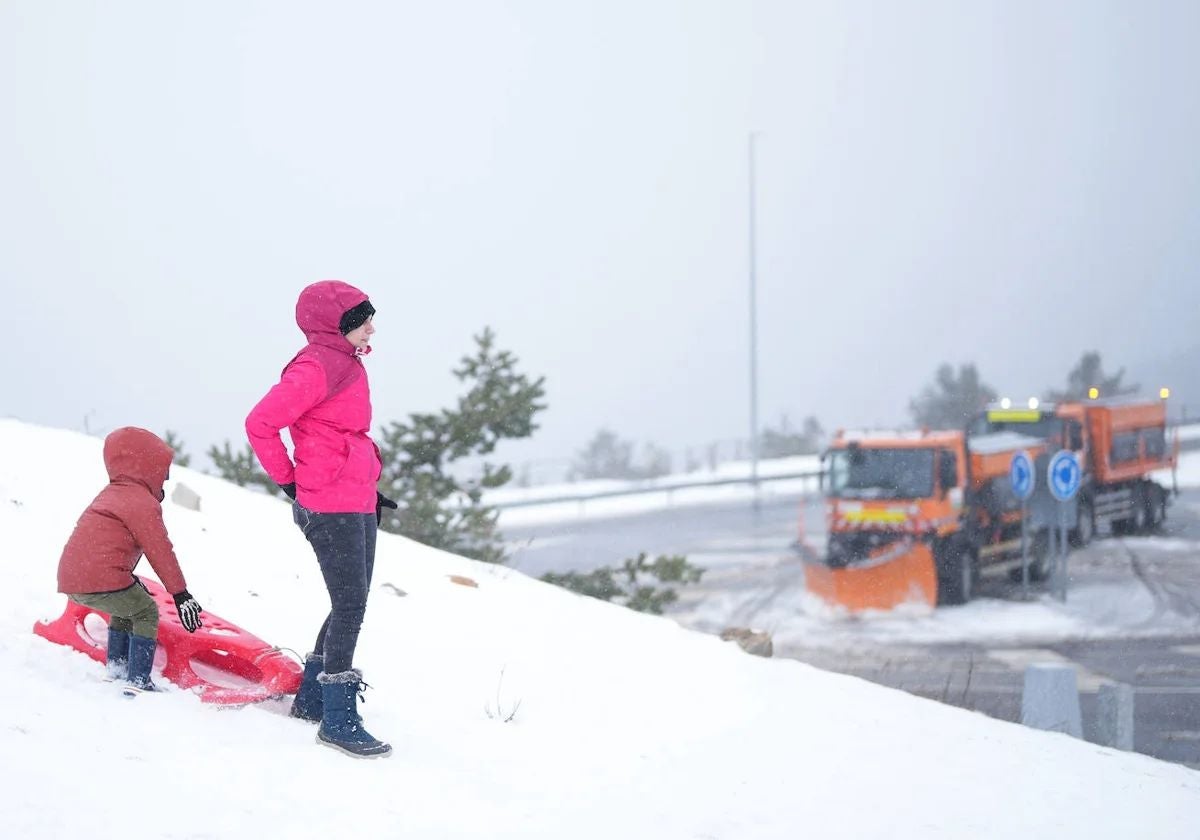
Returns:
(881,488)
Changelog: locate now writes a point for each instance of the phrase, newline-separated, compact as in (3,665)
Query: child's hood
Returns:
(139,455)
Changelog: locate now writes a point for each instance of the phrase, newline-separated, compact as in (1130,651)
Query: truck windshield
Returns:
(861,473)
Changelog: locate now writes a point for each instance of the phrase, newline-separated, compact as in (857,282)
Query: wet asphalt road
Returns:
(1164,672)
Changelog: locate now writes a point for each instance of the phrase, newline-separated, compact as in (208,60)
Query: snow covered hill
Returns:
(628,726)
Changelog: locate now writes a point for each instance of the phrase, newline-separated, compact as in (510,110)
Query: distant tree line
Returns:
(955,396)
(609,456)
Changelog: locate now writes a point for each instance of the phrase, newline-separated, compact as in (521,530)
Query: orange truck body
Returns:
(918,518)
(1121,444)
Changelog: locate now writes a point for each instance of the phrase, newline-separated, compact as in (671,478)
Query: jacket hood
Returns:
(319,311)
(138,455)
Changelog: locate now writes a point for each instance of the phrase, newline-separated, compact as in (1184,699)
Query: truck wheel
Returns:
(1085,525)
(1139,522)
(1138,517)
(956,573)
(1157,500)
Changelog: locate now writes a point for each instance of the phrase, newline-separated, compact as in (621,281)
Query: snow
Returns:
(1187,471)
(1188,432)
(764,588)
(1097,607)
(628,724)
(1005,441)
(893,434)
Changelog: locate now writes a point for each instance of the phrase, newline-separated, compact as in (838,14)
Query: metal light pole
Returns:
(753,333)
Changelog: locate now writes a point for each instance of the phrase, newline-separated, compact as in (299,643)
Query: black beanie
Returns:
(354,318)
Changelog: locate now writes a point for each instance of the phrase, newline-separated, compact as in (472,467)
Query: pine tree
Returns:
(626,585)
(1089,373)
(785,441)
(172,440)
(952,400)
(656,461)
(242,468)
(607,456)
(435,507)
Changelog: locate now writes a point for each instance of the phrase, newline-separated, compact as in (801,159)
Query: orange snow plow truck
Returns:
(918,516)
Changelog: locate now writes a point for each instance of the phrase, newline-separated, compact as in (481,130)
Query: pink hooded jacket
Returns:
(324,400)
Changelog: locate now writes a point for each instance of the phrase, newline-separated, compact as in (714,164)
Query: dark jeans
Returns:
(345,547)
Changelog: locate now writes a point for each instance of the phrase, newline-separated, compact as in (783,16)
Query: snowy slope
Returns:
(629,726)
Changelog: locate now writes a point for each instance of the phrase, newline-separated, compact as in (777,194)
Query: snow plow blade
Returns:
(882,582)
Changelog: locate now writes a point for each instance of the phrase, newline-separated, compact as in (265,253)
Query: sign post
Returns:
(1063,476)
(1020,474)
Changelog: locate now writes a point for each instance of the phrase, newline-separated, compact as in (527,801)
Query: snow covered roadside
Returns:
(628,724)
(1098,607)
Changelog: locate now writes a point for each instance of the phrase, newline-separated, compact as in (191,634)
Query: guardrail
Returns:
(1187,444)
(658,488)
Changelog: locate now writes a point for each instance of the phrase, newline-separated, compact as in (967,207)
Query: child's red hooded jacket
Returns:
(124,521)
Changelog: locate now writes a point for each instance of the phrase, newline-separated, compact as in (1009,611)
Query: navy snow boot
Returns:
(341,725)
(308,704)
(117,666)
(141,661)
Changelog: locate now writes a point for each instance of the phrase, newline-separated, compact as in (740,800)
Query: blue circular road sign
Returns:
(1020,473)
(1063,474)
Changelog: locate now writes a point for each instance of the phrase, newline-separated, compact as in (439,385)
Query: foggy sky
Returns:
(1007,183)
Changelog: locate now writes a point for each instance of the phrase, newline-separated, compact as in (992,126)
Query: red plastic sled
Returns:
(220,662)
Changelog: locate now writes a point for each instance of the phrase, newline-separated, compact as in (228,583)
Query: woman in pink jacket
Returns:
(324,400)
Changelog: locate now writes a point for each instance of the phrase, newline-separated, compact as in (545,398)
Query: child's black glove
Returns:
(189,611)
(289,490)
(381,502)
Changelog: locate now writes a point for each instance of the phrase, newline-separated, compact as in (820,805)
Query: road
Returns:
(581,545)
(1132,613)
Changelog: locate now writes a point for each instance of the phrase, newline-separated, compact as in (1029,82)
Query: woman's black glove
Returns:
(189,611)
(289,490)
(381,502)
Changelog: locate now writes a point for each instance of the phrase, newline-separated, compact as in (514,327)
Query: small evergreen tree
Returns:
(952,400)
(172,440)
(607,456)
(598,583)
(785,441)
(242,468)
(626,586)
(656,461)
(1089,373)
(436,508)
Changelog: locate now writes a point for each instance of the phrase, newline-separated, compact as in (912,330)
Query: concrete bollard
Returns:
(1114,716)
(1051,699)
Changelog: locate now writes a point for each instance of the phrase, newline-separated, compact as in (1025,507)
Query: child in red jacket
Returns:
(122,522)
